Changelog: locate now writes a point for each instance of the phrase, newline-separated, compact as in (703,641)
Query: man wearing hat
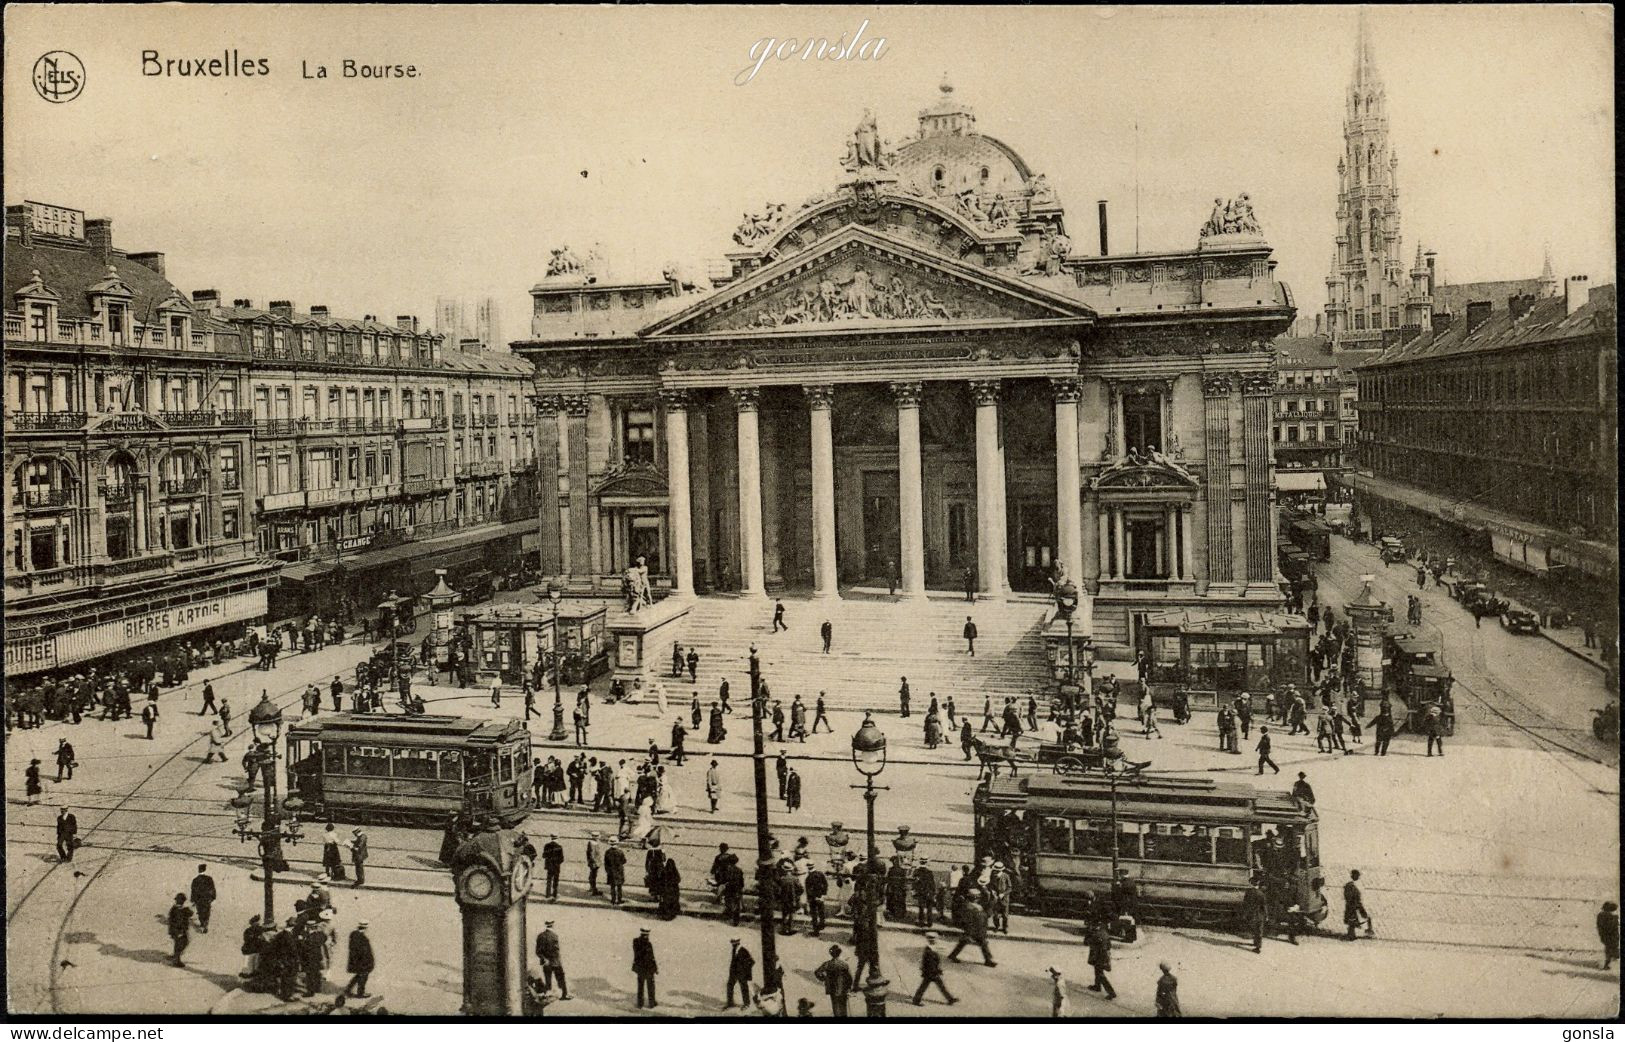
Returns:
(553,860)
(552,960)
(203,896)
(836,976)
(1167,994)
(645,966)
(1059,1006)
(180,926)
(931,971)
(594,848)
(925,892)
(361,961)
(973,926)
(614,870)
(358,855)
(741,964)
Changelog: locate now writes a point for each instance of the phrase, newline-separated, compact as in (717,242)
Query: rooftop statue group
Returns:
(864,151)
(1232,218)
(756,226)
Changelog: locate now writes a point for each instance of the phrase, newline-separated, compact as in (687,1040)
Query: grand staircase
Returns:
(876,644)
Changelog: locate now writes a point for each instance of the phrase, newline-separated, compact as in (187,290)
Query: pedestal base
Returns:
(640,643)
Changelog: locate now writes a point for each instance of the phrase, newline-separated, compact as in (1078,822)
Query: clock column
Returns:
(492,879)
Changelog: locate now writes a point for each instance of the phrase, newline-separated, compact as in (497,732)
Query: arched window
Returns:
(938,175)
(985,175)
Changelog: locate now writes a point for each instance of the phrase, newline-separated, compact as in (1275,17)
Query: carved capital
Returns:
(905,394)
(1257,384)
(1065,389)
(986,392)
(575,405)
(675,399)
(1216,386)
(745,398)
(547,405)
(819,396)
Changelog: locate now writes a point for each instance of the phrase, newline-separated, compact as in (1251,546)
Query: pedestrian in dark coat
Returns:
(645,967)
(449,840)
(1167,994)
(1253,912)
(1100,959)
(549,954)
(358,855)
(781,768)
(64,759)
(67,834)
(693,666)
(360,962)
(931,971)
(149,716)
(180,927)
(203,896)
(969,634)
(925,892)
(827,632)
(1608,931)
(615,872)
(973,930)
(817,888)
(836,976)
(1354,913)
(741,965)
(671,890)
(553,863)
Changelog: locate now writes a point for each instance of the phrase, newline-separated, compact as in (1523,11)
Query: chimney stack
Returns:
(408,322)
(1478,312)
(1104,251)
(1442,321)
(1408,333)
(1432,261)
(151,259)
(99,234)
(1519,304)
(244,303)
(369,318)
(206,298)
(1576,291)
(21,217)
(318,312)
(282,308)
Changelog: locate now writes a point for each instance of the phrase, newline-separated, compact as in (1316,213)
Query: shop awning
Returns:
(443,547)
(1300,480)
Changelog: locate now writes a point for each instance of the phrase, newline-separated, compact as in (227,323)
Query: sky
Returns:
(530,128)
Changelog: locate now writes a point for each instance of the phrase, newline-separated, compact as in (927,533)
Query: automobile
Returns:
(1391,549)
(1520,620)
(1467,591)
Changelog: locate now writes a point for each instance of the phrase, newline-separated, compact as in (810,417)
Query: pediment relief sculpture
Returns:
(1147,469)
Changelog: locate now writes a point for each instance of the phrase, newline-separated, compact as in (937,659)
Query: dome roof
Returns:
(949,155)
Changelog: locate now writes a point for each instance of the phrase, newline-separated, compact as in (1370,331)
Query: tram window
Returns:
(1128,839)
(1230,845)
(1054,836)
(505,765)
(366,759)
(479,766)
(1092,838)
(1186,843)
(415,763)
(451,765)
(333,759)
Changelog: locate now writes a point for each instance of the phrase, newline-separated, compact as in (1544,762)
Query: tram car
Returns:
(410,770)
(1190,845)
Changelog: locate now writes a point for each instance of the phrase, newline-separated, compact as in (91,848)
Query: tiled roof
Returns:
(1303,352)
(1546,321)
(71,271)
(1454,299)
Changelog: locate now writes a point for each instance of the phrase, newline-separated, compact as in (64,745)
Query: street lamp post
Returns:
(265,726)
(764,841)
(1066,603)
(869,757)
(554,595)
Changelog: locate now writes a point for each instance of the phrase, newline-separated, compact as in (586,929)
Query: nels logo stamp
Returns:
(59,76)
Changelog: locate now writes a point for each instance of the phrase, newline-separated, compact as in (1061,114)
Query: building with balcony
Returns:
(1503,423)
(129,499)
(1314,422)
(915,374)
(377,447)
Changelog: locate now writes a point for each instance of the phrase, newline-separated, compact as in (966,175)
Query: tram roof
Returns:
(1156,795)
(376,729)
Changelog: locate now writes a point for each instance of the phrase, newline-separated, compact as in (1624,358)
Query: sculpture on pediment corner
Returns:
(1040,190)
(755,227)
(998,211)
(680,279)
(1235,217)
(563,262)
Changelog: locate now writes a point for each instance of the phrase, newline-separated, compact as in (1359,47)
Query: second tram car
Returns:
(1191,845)
(410,770)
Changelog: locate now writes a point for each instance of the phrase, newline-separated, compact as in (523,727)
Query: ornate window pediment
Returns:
(1135,472)
(633,481)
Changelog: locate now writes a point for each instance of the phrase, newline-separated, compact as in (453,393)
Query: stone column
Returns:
(1187,533)
(678,516)
(1257,395)
(1171,541)
(750,493)
(1216,410)
(1103,541)
(1068,481)
(826,578)
(1120,556)
(549,529)
(581,564)
(768,443)
(989,496)
(910,497)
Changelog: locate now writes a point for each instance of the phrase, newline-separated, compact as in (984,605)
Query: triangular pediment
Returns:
(864,279)
(1153,470)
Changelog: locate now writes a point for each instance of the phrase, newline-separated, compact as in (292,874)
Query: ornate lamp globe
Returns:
(265,721)
(869,749)
(1066,598)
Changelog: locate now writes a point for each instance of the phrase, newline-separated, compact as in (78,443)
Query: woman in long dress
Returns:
(660,697)
(718,731)
(646,819)
(665,792)
(332,857)
(671,892)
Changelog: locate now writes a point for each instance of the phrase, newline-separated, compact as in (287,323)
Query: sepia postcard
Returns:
(951,514)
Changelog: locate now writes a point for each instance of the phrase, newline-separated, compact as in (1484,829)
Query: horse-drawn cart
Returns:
(1059,758)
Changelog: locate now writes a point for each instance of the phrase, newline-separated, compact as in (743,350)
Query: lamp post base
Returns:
(558,734)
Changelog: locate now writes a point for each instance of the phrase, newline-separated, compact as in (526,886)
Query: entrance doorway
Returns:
(1144,561)
(1034,546)
(881,539)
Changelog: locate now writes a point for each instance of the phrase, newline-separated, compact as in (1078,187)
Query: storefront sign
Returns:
(30,656)
(105,638)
